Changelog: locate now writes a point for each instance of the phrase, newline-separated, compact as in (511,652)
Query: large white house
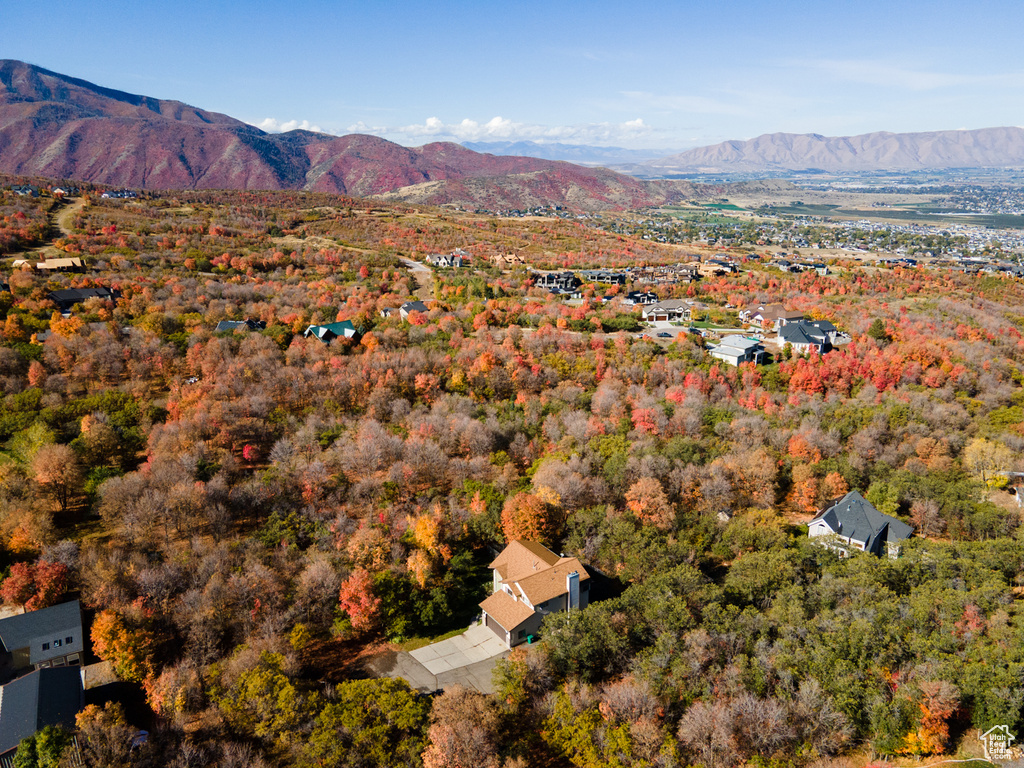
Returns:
(736,349)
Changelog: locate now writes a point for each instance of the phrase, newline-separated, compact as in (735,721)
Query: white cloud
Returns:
(271,125)
(502,129)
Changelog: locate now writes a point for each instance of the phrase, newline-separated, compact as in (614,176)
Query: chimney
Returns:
(572,585)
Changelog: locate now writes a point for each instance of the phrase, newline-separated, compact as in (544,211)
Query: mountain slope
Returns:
(566,185)
(983,148)
(573,153)
(62,127)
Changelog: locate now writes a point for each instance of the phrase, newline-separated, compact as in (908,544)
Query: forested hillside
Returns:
(250,515)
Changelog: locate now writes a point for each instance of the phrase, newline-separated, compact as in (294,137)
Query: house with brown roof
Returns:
(770,316)
(507,260)
(531,582)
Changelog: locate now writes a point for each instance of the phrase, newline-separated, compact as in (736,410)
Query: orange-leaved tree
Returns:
(526,516)
(358,601)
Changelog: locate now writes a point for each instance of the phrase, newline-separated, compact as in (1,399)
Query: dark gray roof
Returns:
(801,333)
(856,518)
(72,296)
(233,325)
(414,306)
(31,630)
(825,326)
(45,697)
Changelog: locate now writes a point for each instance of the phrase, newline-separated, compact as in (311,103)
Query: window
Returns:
(46,646)
(69,640)
(522,633)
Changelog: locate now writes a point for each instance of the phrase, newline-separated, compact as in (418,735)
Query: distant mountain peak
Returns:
(57,126)
(882,150)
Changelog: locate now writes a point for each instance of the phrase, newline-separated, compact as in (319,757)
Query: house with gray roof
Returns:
(804,337)
(412,306)
(68,298)
(736,349)
(240,325)
(49,637)
(446,260)
(830,331)
(30,703)
(853,523)
(669,310)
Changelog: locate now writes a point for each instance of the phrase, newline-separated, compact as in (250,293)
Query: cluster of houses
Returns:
(328,332)
(568,283)
(41,671)
(558,283)
(119,194)
(791,328)
(796,267)
(69,264)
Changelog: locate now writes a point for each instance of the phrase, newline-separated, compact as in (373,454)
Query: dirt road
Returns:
(66,217)
(424,277)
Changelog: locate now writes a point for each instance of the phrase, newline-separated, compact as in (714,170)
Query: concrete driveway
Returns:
(465,659)
(478,643)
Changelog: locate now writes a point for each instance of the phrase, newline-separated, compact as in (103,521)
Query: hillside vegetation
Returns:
(249,515)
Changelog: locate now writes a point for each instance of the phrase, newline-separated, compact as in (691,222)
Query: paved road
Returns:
(416,266)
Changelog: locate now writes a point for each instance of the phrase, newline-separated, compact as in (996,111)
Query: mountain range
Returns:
(57,126)
(983,148)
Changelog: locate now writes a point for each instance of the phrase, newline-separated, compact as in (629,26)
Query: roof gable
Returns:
(801,333)
(550,582)
(523,558)
(45,697)
(506,610)
(737,343)
(30,630)
(855,518)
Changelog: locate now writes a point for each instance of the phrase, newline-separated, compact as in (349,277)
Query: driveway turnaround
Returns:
(465,659)
(478,643)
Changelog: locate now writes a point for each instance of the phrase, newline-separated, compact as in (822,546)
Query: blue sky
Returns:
(641,74)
